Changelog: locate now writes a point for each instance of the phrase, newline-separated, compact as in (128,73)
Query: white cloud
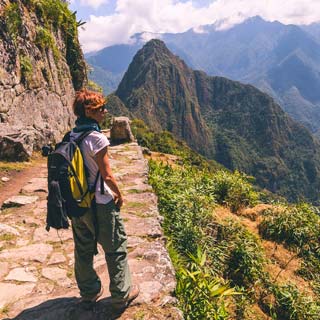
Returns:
(158,16)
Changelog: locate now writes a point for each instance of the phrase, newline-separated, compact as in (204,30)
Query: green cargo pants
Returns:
(113,239)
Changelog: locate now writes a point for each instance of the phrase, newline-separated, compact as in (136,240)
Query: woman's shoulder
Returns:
(98,137)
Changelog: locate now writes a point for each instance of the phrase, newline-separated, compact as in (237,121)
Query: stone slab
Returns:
(4,269)
(11,292)
(42,235)
(36,185)
(56,258)
(58,275)
(33,252)
(5,229)
(142,226)
(19,201)
(21,274)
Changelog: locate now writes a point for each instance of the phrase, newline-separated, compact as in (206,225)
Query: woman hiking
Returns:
(104,220)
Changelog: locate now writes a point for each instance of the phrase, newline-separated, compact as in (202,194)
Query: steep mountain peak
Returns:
(235,124)
(155,46)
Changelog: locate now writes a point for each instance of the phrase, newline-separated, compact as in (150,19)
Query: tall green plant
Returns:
(201,293)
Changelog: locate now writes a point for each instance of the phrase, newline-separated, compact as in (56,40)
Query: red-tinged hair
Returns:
(86,99)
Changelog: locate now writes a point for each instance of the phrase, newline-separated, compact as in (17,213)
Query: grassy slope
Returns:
(246,245)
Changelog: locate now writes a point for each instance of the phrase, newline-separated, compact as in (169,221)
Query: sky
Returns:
(110,22)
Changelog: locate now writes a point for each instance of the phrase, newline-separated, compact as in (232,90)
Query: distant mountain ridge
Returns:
(278,59)
(235,124)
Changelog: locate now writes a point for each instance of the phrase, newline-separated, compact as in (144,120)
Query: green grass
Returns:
(136,191)
(297,227)
(7,237)
(187,198)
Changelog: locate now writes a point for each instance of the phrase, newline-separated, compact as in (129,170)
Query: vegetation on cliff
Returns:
(232,259)
(54,17)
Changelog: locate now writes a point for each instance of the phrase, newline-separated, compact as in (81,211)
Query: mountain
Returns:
(278,59)
(233,123)
(313,29)
(108,72)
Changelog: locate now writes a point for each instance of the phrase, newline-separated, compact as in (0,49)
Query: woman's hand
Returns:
(118,200)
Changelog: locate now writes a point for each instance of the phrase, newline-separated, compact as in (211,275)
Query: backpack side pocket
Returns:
(56,208)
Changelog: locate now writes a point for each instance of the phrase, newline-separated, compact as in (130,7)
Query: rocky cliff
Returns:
(41,64)
(235,124)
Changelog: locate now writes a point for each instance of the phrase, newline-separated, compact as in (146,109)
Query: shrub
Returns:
(201,293)
(232,189)
(13,20)
(26,69)
(245,262)
(297,226)
(291,304)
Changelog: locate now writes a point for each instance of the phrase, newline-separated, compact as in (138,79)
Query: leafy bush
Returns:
(13,20)
(45,40)
(246,260)
(26,68)
(201,293)
(297,225)
(291,304)
(183,203)
(54,15)
(233,190)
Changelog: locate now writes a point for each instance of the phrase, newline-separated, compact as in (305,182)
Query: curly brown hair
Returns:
(86,99)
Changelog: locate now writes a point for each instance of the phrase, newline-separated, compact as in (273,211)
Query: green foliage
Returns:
(184,203)
(234,190)
(298,226)
(94,86)
(45,40)
(291,304)
(246,260)
(187,197)
(165,142)
(26,69)
(55,15)
(13,20)
(200,292)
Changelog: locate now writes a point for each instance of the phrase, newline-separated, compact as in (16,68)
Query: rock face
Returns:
(235,124)
(41,64)
(121,131)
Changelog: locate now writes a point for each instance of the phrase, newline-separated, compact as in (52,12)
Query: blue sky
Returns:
(112,22)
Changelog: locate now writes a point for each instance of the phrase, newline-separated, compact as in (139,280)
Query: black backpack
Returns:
(68,191)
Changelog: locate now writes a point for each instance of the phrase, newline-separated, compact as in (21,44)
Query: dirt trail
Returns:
(36,267)
(20,178)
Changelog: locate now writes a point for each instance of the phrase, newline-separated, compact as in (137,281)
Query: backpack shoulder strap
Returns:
(82,136)
(66,137)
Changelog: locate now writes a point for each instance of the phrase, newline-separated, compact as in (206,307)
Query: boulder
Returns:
(19,201)
(121,131)
(17,144)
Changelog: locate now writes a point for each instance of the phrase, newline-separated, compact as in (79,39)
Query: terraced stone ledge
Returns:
(36,267)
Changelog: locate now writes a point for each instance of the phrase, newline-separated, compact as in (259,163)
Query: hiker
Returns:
(104,218)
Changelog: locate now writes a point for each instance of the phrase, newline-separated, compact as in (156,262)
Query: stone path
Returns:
(36,266)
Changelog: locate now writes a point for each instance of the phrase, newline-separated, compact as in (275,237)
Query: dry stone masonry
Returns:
(36,267)
(36,85)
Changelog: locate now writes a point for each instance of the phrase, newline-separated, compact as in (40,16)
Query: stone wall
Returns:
(36,83)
